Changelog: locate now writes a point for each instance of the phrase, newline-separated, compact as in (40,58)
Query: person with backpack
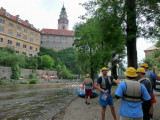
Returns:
(147,83)
(152,77)
(88,82)
(105,97)
(132,93)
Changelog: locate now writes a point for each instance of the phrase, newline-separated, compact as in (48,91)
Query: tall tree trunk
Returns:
(114,71)
(131,33)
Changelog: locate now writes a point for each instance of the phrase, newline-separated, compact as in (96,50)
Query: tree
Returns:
(95,42)
(138,18)
(47,62)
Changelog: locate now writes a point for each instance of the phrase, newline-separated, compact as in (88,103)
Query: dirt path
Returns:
(78,110)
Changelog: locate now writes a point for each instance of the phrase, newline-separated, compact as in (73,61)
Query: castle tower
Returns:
(63,21)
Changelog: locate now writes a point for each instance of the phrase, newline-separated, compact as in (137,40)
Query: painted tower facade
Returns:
(63,21)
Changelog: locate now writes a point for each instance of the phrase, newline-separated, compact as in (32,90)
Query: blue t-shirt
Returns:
(99,80)
(131,109)
(153,78)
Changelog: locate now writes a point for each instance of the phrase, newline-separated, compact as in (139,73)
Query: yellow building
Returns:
(19,34)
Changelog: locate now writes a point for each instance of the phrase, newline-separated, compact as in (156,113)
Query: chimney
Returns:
(17,16)
(27,21)
(3,9)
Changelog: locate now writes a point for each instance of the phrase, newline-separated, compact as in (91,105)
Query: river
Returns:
(34,102)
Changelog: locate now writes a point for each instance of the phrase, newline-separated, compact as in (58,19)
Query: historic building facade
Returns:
(61,38)
(18,34)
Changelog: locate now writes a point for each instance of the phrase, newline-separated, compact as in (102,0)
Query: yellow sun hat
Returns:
(104,68)
(144,65)
(131,72)
(141,70)
(87,75)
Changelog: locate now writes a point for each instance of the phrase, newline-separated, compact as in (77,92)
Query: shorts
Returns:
(126,118)
(153,99)
(88,92)
(108,101)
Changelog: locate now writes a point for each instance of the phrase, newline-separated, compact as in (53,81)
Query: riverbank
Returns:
(35,101)
(78,110)
(37,81)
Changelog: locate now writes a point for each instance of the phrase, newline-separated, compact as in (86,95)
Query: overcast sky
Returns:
(45,14)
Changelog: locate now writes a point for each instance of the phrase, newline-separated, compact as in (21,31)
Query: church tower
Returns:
(63,21)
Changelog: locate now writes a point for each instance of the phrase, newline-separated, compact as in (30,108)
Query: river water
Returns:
(34,102)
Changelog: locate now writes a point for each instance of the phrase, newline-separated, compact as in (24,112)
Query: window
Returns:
(11,25)
(10,32)
(24,46)
(37,42)
(41,42)
(2,29)
(18,35)
(31,48)
(17,52)
(19,28)
(9,42)
(1,39)
(17,44)
(36,49)
(24,53)
(25,37)
(2,21)
(37,35)
(31,33)
(19,20)
(25,30)
(63,27)
(31,40)
(30,55)
(7,14)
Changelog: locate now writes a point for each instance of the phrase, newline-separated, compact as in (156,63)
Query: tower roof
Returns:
(63,11)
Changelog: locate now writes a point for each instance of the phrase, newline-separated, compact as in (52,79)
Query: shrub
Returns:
(34,81)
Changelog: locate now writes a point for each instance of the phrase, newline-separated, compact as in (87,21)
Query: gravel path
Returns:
(78,110)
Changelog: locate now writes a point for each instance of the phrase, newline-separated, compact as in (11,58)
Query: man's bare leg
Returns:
(113,112)
(103,112)
(88,99)
(85,99)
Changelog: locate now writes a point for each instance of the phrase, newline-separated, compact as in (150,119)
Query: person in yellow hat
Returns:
(147,83)
(132,93)
(152,77)
(105,83)
(88,83)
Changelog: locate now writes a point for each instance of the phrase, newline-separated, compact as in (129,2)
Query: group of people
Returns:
(136,92)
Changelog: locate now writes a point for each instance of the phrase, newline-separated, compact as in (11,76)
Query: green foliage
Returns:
(64,73)
(153,60)
(31,75)
(5,83)
(47,62)
(15,71)
(96,43)
(34,81)
(67,57)
(123,20)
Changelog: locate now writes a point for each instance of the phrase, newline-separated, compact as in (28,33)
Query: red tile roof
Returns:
(152,48)
(15,19)
(57,32)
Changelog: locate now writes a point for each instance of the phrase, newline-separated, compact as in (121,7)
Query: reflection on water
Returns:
(34,102)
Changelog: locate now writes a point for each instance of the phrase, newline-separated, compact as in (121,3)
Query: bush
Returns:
(31,75)
(34,81)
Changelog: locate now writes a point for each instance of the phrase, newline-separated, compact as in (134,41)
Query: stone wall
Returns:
(6,73)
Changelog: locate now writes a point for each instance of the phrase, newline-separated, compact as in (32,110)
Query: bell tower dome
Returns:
(63,21)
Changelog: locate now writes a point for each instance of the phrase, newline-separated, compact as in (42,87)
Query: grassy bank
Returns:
(32,81)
